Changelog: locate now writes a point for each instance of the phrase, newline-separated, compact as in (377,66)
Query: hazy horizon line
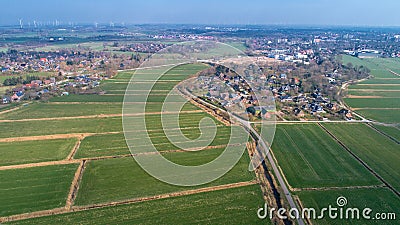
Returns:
(48,23)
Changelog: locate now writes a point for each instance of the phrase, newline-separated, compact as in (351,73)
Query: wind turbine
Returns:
(21,23)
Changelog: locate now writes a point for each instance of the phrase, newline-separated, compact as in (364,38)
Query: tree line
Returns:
(12,81)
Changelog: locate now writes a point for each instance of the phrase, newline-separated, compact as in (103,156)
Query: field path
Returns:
(383,133)
(75,185)
(51,137)
(30,165)
(100,116)
(124,202)
(75,148)
(75,161)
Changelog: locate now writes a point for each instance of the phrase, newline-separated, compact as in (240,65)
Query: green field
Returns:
(35,151)
(381,115)
(34,189)
(89,98)
(44,110)
(95,125)
(377,87)
(389,63)
(373,102)
(232,206)
(391,131)
(382,81)
(118,179)
(376,150)
(385,86)
(379,200)
(383,73)
(35,128)
(115,144)
(358,62)
(309,157)
(371,92)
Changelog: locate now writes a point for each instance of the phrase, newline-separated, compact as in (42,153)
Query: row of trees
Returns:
(19,80)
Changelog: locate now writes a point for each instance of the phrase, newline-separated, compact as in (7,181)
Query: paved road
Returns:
(264,149)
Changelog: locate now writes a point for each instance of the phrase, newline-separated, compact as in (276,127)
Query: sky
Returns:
(285,12)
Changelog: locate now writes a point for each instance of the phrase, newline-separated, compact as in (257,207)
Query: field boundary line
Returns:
(338,188)
(78,135)
(63,210)
(10,110)
(75,148)
(75,161)
(84,103)
(167,195)
(100,116)
(40,164)
(361,161)
(383,133)
(73,191)
(53,137)
(394,72)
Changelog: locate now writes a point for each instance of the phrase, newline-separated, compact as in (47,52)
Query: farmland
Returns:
(314,164)
(34,189)
(378,98)
(36,128)
(43,110)
(391,131)
(380,200)
(375,93)
(233,205)
(374,103)
(310,158)
(118,179)
(87,129)
(383,115)
(319,170)
(115,144)
(378,151)
(34,151)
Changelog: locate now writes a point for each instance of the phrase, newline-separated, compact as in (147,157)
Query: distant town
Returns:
(301,67)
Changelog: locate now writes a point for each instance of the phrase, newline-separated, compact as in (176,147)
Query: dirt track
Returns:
(74,161)
(99,116)
(75,185)
(75,148)
(30,165)
(51,137)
